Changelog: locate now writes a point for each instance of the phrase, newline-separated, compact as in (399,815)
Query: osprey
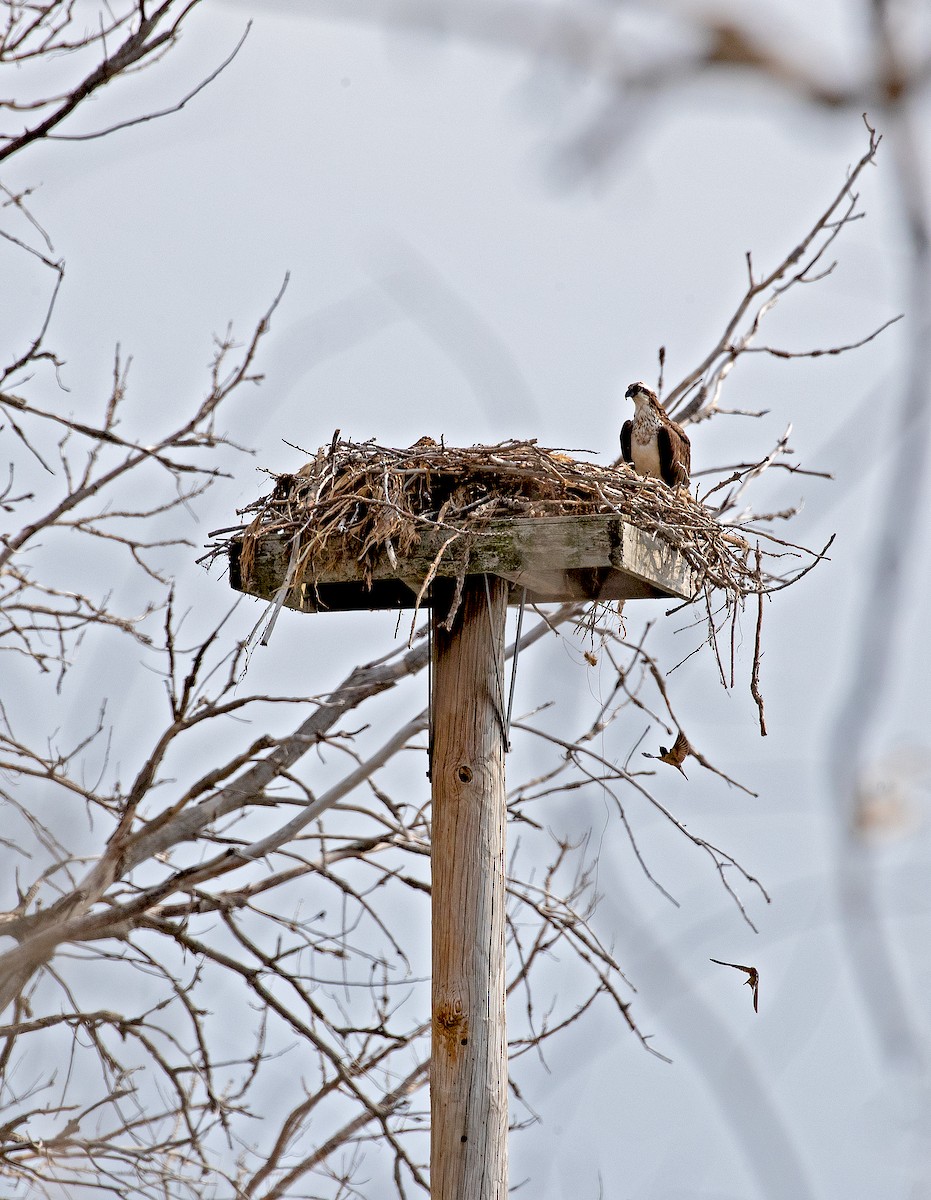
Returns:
(652,442)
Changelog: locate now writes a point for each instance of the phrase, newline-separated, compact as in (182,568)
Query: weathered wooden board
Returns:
(557,559)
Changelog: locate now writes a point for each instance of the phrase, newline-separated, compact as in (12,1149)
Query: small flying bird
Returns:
(652,442)
(677,755)
(752,980)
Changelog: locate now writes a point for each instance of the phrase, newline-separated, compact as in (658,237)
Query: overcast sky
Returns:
(453,272)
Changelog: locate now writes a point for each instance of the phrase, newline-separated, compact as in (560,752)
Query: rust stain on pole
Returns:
(468,1080)
(451,1030)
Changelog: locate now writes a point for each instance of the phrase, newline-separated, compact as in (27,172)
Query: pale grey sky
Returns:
(449,278)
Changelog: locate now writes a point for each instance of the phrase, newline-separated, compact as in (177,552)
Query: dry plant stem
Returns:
(344,1136)
(363,500)
(169,908)
(147,39)
(722,860)
(757,651)
(31,609)
(70,919)
(222,877)
(796,268)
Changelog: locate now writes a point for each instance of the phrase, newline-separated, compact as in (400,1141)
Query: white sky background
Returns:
(450,277)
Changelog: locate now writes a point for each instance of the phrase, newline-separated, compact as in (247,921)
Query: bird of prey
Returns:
(652,442)
(752,980)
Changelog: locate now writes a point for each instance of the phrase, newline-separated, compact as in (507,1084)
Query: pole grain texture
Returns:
(469,1075)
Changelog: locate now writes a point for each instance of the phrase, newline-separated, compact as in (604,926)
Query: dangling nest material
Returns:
(364,500)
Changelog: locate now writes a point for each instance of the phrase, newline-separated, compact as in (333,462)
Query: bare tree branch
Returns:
(41,33)
(189,905)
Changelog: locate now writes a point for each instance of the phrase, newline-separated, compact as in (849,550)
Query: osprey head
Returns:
(641,395)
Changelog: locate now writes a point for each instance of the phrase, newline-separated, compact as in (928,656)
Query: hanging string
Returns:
(491,623)
(432,618)
(520,622)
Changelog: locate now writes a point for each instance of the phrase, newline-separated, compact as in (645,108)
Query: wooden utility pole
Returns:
(544,558)
(469,1071)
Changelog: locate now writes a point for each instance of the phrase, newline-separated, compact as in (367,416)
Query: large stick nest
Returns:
(364,499)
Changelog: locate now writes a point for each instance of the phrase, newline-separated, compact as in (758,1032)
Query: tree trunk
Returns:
(468,1080)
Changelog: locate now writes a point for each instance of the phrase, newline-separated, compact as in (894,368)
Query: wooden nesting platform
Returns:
(363,526)
(557,559)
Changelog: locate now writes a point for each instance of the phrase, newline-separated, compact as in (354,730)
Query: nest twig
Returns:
(368,500)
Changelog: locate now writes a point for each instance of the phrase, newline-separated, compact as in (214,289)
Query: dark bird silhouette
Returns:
(752,980)
(677,755)
(652,442)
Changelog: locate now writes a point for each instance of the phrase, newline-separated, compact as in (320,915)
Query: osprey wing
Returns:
(626,431)
(675,454)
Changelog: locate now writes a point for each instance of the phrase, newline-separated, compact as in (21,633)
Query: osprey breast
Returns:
(644,449)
